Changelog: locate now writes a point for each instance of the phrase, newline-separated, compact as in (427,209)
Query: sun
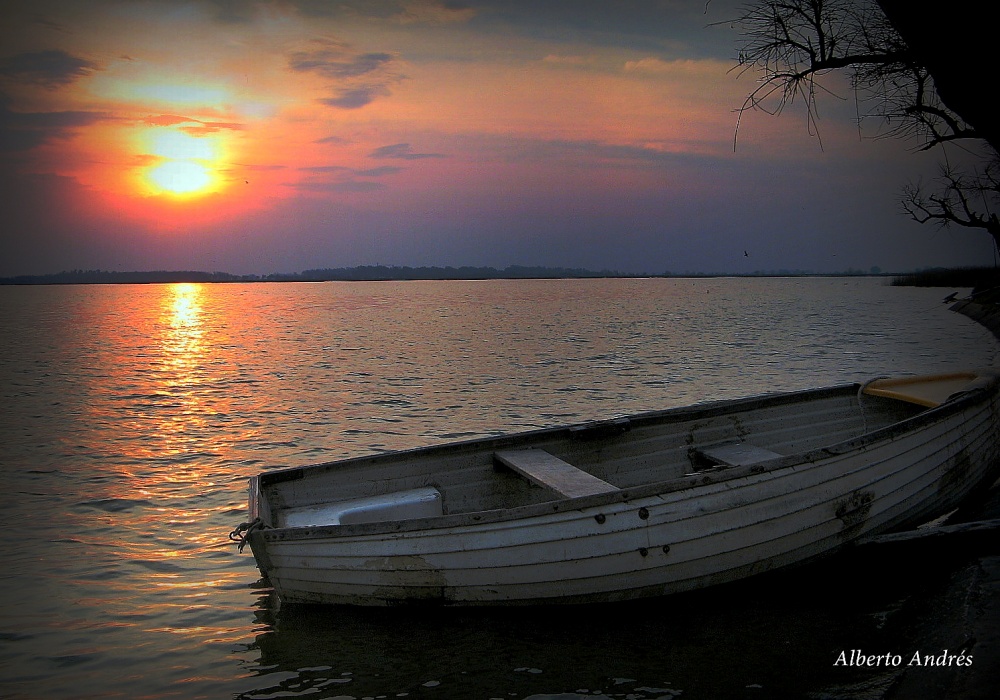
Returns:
(179,165)
(180,177)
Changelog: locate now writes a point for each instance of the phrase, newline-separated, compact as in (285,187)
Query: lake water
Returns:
(131,417)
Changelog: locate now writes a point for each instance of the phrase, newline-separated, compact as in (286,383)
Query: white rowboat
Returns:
(651,504)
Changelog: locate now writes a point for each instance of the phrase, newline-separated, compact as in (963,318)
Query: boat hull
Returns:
(652,539)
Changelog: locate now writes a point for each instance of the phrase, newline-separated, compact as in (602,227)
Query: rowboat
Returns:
(652,504)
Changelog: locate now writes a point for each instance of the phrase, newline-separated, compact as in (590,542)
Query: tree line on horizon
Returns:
(385,273)
(373,273)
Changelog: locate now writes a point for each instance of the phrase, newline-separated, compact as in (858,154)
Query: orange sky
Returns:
(278,136)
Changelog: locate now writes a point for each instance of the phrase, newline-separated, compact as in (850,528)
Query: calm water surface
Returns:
(131,417)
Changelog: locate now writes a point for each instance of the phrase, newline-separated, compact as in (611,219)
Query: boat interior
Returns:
(563,463)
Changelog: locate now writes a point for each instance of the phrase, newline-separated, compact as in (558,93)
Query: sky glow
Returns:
(281,136)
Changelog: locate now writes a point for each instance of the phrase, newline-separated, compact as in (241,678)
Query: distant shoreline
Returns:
(963,277)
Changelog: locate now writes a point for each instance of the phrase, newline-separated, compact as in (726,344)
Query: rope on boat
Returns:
(242,532)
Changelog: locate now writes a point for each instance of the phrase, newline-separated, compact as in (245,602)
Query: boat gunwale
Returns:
(958,403)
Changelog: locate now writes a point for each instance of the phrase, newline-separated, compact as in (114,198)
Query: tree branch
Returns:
(792,43)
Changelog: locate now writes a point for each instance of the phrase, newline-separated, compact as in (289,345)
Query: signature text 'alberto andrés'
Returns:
(855,657)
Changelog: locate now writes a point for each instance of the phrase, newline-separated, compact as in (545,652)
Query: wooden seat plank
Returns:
(548,471)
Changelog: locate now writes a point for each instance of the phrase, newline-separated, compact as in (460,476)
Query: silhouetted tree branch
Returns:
(791,44)
(954,43)
(960,199)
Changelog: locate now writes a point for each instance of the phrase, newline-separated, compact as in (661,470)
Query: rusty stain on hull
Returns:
(853,511)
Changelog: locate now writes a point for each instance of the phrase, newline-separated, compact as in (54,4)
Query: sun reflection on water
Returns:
(175,449)
(184,377)
(182,318)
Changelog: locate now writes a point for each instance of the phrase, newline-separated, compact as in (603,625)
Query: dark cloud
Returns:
(339,178)
(367,172)
(332,63)
(338,186)
(49,24)
(357,186)
(50,69)
(401,11)
(357,97)
(605,153)
(378,172)
(429,12)
(402,151)
(357,79)
(22,131)
(325,169)
(233,11)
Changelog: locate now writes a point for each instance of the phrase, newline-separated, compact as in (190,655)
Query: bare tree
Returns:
(792,44)
(958,198)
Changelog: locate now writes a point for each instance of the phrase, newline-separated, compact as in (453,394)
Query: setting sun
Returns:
(180,165)
(179,177)
(180,146)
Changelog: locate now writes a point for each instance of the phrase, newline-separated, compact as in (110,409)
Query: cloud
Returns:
(333,63)
(434,12)
(49,69)
(262,167)
(378,172)
(325,169)
(357,97)
(406,12)
(167,120)
(203,128)
(660,156)
(232,11)
(340,178)
(22,131)
(337,186)
(567,60)
(678,69)
(402,151)
(366,172)
(196,127)
(49,24)
(650,64)
(357,79)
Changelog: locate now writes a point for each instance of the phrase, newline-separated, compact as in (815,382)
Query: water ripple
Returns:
(114,505)
(132,416)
